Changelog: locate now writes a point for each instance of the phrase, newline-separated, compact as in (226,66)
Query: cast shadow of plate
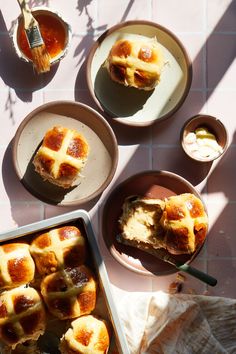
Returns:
(116,99)
(44,190)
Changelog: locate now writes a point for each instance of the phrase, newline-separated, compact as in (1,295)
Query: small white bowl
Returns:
(42,10)
(214,126)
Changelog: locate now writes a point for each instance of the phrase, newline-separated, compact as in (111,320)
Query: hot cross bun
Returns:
(59,248)
(61,156)
(88,335)
(16,265)
(22,316)
(178,224)
(70,293)
(185,222)
(136,62)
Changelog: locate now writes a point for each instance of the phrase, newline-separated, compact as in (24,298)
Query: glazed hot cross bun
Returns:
(58,248)
(22,316)
(136,61)
(88,335)
(16,265)
(185,222)
(70,292)
(61,156)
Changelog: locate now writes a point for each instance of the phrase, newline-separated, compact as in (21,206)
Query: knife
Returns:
(185,267)
(164,255)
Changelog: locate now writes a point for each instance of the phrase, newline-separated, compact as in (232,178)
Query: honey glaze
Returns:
(53,34)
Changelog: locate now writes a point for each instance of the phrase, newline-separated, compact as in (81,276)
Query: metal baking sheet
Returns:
(78,217)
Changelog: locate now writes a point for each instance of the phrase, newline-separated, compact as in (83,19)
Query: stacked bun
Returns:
(50,271)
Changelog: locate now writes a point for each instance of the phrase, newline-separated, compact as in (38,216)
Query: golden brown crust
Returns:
(185,222)
(62,156)
(87,335)
(136,62)
(70,293)
(22,316)
(57,249)
(16,265)
(178,224)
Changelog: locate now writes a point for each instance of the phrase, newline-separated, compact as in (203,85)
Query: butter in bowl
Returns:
(204,138)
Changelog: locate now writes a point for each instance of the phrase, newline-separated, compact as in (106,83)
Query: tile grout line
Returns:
(205,86)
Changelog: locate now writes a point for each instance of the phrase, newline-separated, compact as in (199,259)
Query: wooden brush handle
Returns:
(29,20)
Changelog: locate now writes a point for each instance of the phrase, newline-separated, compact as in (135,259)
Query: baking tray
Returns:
(80,217)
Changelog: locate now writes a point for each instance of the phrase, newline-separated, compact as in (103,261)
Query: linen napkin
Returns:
(161,323)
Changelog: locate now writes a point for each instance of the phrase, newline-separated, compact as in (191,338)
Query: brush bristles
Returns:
(41,59)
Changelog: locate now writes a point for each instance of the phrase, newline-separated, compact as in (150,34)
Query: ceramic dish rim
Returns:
(145,23)
(30,116)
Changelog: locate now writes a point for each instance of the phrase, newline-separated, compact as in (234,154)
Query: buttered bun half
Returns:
(178,224)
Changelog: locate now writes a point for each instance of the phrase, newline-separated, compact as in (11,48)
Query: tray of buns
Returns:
(55,295)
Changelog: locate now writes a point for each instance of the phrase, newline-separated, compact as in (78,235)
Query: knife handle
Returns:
(206,278)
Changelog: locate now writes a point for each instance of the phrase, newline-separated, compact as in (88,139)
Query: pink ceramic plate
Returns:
(152,184)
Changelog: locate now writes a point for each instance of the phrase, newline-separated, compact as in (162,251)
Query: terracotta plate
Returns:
(129,105)
(152,184)
(102,160)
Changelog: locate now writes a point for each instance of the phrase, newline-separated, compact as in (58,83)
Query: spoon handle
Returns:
(206,278)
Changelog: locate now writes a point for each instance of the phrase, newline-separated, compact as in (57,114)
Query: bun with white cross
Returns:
(22,316)
(62,156)
(70,293)
(57,249)
(88,335)
(136,61)
(16,265)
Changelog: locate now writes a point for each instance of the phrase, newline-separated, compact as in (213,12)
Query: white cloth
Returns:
(179,324)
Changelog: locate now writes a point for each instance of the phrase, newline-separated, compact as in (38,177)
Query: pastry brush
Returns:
(40,55)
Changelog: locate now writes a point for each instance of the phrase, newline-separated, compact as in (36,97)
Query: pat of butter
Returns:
(202,143)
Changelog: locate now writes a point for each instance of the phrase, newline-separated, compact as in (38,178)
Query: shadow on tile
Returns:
(195,172)
(175,160)
(87,40)
(214,77)
(222,177)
